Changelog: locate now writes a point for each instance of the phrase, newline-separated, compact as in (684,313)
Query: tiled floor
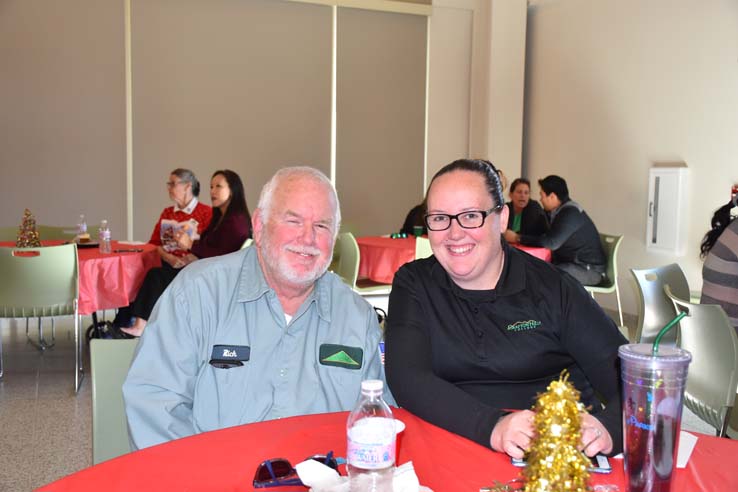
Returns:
(45,429)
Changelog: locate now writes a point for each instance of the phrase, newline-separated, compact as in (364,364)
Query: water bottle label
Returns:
(104,235)
(371,443)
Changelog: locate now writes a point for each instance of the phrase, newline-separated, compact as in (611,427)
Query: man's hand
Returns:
(595,438)
(513,433)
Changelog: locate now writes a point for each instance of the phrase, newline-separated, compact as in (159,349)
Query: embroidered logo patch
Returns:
(524,325)
(341,356)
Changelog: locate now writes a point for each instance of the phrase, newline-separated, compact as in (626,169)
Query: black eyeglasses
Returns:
(471,219)
(278,472)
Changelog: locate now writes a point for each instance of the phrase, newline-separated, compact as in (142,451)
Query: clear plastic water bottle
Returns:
(104,236)
(81,225)
(370,431)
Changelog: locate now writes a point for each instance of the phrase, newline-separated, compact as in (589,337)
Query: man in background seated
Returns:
(259,334)
(572,237)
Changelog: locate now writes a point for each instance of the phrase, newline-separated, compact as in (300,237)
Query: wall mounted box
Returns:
(666,225)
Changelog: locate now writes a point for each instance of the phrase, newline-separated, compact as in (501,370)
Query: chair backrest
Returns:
(248,242)
(422,248)
(611,245)
(38,281)
(9,233)
(712,379)
(58,233)
(655,308)
(347,250)
(110,360)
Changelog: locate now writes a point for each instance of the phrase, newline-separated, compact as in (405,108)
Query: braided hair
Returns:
(486,169)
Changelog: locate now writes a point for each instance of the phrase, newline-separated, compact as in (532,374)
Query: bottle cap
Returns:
(372,385)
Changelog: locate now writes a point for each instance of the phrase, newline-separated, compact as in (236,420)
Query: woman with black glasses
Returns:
(476,331)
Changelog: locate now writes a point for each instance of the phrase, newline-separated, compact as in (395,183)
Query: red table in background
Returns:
(226,460)
(109,281)
(381,256)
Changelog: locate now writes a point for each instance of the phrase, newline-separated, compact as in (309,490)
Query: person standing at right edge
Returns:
(572,237)
(480,328)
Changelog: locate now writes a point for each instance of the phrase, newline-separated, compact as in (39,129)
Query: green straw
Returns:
(669,325)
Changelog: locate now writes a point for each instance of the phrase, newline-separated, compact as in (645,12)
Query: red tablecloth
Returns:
(109,281)
(226,460)
(382,256)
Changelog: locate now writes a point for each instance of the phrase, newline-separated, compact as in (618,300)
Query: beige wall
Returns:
(616,85)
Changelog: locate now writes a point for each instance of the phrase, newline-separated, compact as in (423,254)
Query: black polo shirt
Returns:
(458,357)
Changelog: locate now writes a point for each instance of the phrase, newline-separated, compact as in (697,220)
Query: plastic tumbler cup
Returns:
(653,390)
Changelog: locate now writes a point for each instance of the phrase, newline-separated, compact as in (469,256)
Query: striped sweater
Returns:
(720,273)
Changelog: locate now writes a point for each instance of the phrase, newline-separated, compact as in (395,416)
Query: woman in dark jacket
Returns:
(526,215)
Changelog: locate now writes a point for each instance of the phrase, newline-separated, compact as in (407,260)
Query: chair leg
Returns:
(620,307)
(723,430)
(1,355)
(78,369)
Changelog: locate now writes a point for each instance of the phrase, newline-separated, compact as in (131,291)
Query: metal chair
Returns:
(42,282)
(109,363)
(610,244)
(713,374)
(655,308)
(422,248)
(347,267)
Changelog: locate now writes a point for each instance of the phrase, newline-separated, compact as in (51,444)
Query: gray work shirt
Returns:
(314,364)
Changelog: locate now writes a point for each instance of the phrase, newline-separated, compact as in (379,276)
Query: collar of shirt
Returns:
(189,208)
(512,278)
(252,285)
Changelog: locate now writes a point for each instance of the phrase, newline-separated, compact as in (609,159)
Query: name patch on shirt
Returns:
(341,356)
(524,325)
(227,356)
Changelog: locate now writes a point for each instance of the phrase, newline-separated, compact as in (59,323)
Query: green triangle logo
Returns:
(331,354)
(342,358)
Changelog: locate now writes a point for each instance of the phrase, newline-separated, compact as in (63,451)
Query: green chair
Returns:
(422,248)
(56,233)
(42,282)
(9,233)
(109,363)
(655,309)
(347,250)
(712,379)
(610,244)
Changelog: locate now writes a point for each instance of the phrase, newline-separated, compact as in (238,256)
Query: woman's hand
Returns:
(173,261)
(595,438)
(513,433)
(184,241)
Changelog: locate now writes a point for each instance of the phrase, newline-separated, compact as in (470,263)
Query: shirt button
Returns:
(480,334)
(283,372)
(476,310)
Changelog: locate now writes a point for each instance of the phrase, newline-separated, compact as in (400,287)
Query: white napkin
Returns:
(132,243)
(321,478)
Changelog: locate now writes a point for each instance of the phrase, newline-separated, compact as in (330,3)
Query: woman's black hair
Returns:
(519,181)
(486,169)
(720,220)
(237,205)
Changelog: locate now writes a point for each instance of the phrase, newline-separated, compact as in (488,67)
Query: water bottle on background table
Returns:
(81,225)
(371,436)
(104,238)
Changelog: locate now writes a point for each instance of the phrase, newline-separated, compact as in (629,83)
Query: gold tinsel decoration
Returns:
(27,234)
(554,462)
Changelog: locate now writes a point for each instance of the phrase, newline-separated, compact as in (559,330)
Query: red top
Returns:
(202,214)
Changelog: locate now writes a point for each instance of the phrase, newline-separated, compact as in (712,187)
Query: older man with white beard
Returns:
(260,334)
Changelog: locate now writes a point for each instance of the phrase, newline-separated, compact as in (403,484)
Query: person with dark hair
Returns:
(480,328)
(526,215)
(572,236)
(719,249)
(414,219)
